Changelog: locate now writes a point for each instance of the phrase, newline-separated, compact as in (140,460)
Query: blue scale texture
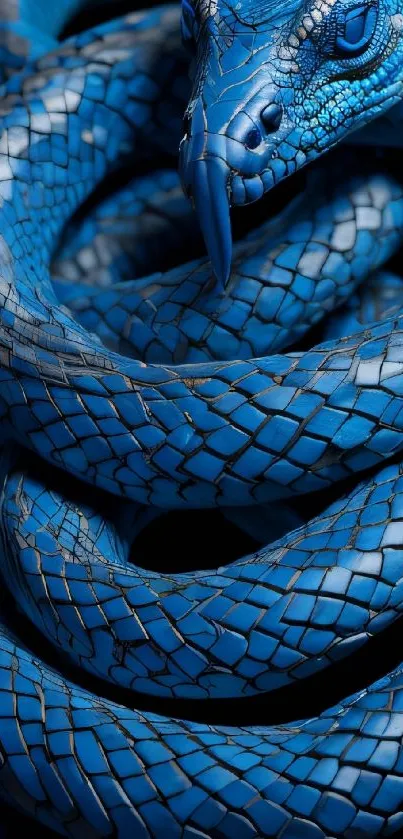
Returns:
(163,387)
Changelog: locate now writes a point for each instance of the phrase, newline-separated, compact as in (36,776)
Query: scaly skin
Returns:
(217,433)
(381,296)
(334,233)
(96,768)
(274,89)
(206,448)
(234,631)
(113,241)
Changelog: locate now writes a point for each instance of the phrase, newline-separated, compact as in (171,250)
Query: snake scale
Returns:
(136,379)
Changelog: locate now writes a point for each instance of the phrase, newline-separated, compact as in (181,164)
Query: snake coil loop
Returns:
(131,384)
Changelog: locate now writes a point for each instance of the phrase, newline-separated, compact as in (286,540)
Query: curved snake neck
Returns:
(130,385)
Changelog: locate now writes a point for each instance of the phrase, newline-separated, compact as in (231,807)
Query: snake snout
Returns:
(221,163)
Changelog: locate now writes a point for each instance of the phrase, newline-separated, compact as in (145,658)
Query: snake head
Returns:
(275,85)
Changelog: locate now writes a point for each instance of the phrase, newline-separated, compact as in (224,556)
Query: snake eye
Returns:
(189,26)
(354,30)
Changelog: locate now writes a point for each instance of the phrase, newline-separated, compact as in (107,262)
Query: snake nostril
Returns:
(253,139)
(271,117)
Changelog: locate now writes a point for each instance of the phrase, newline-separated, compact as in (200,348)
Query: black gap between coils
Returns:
(96,12)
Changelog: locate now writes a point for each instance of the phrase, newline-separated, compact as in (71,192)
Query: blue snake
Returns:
(129,386)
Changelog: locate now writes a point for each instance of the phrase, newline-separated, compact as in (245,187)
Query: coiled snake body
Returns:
(165,392)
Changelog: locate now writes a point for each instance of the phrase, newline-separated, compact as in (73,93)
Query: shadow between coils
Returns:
(95,12)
